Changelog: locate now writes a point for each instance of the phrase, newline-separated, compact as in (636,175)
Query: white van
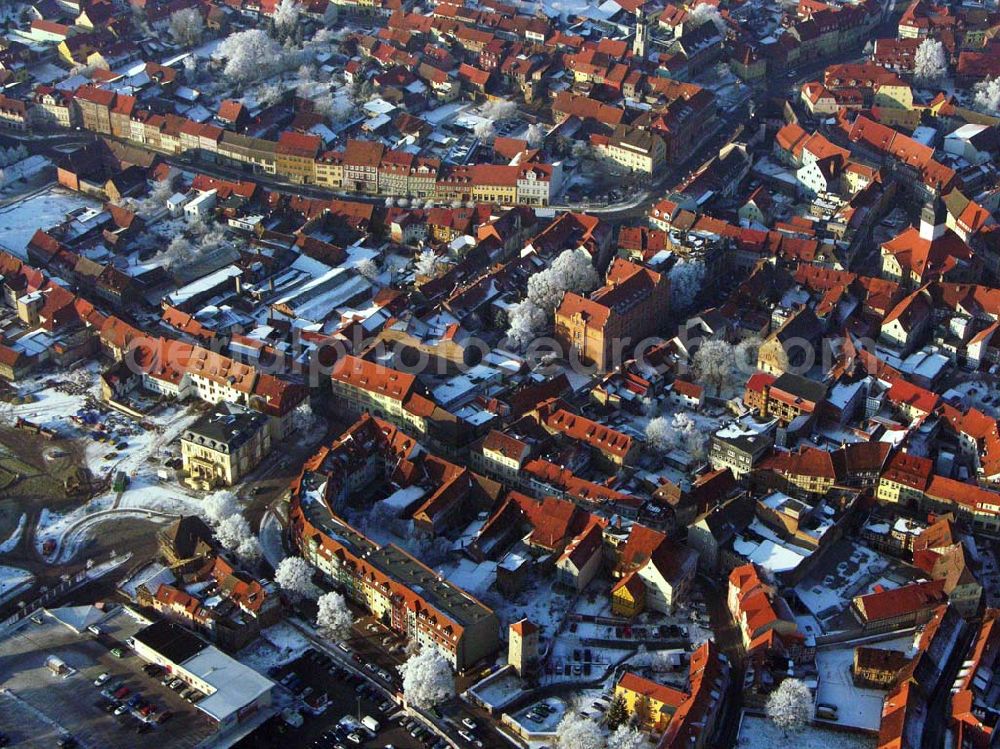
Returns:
(370,723)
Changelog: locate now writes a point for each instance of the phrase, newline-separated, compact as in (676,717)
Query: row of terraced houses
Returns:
(365,167)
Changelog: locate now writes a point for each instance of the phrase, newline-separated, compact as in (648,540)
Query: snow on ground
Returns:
(546,725)
(853,575)
(100,570)
(980,395)
(145,495)
(59,396)
(500,690)
(12,541)
(40,210)
(51,406)
(760,733)
(270,539)
(856,707)
(275,646)
(22,170)
(538,601)
(151,575)
(13,580)
(142,501)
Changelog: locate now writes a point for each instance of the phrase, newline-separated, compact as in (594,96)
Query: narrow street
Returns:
(727,637)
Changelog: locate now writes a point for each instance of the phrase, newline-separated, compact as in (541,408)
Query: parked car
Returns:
(469,723)
(101,679)
(117,652)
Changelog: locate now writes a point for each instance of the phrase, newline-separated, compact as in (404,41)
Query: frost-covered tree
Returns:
(232,530)
(930,63)
(156,200)
(368,269)
(626,737)
(745,358)
(686,278)
(499,109)
(427,678)
(218,506)
(535,135)
(713,362)
(249,55)
(660,435)
(987,98)
(573,271)
(187,26)
(617,712)
(286,15)
(427,264)
(703,13)
(577,732)
(790,705)
(294,575)
(335,107)
(179,252)
(525,322)
(333,617)
(190,64)
(485,131)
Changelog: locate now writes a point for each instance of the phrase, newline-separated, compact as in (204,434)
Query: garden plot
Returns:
(540,601)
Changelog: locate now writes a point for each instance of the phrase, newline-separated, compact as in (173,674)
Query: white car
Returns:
(469,723)
(354,738)
(101,679)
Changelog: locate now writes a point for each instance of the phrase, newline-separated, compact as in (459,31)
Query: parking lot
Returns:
(70,704)
(337,709)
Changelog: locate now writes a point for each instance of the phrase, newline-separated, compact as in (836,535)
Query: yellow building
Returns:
(224,445)
(628,596)
(522,649)
(652,704)
(635,149)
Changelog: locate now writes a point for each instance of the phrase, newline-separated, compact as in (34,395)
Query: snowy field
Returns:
(761,733)
(40,210)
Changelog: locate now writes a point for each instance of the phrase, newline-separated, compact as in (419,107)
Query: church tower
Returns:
(933,219)
(639,43)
